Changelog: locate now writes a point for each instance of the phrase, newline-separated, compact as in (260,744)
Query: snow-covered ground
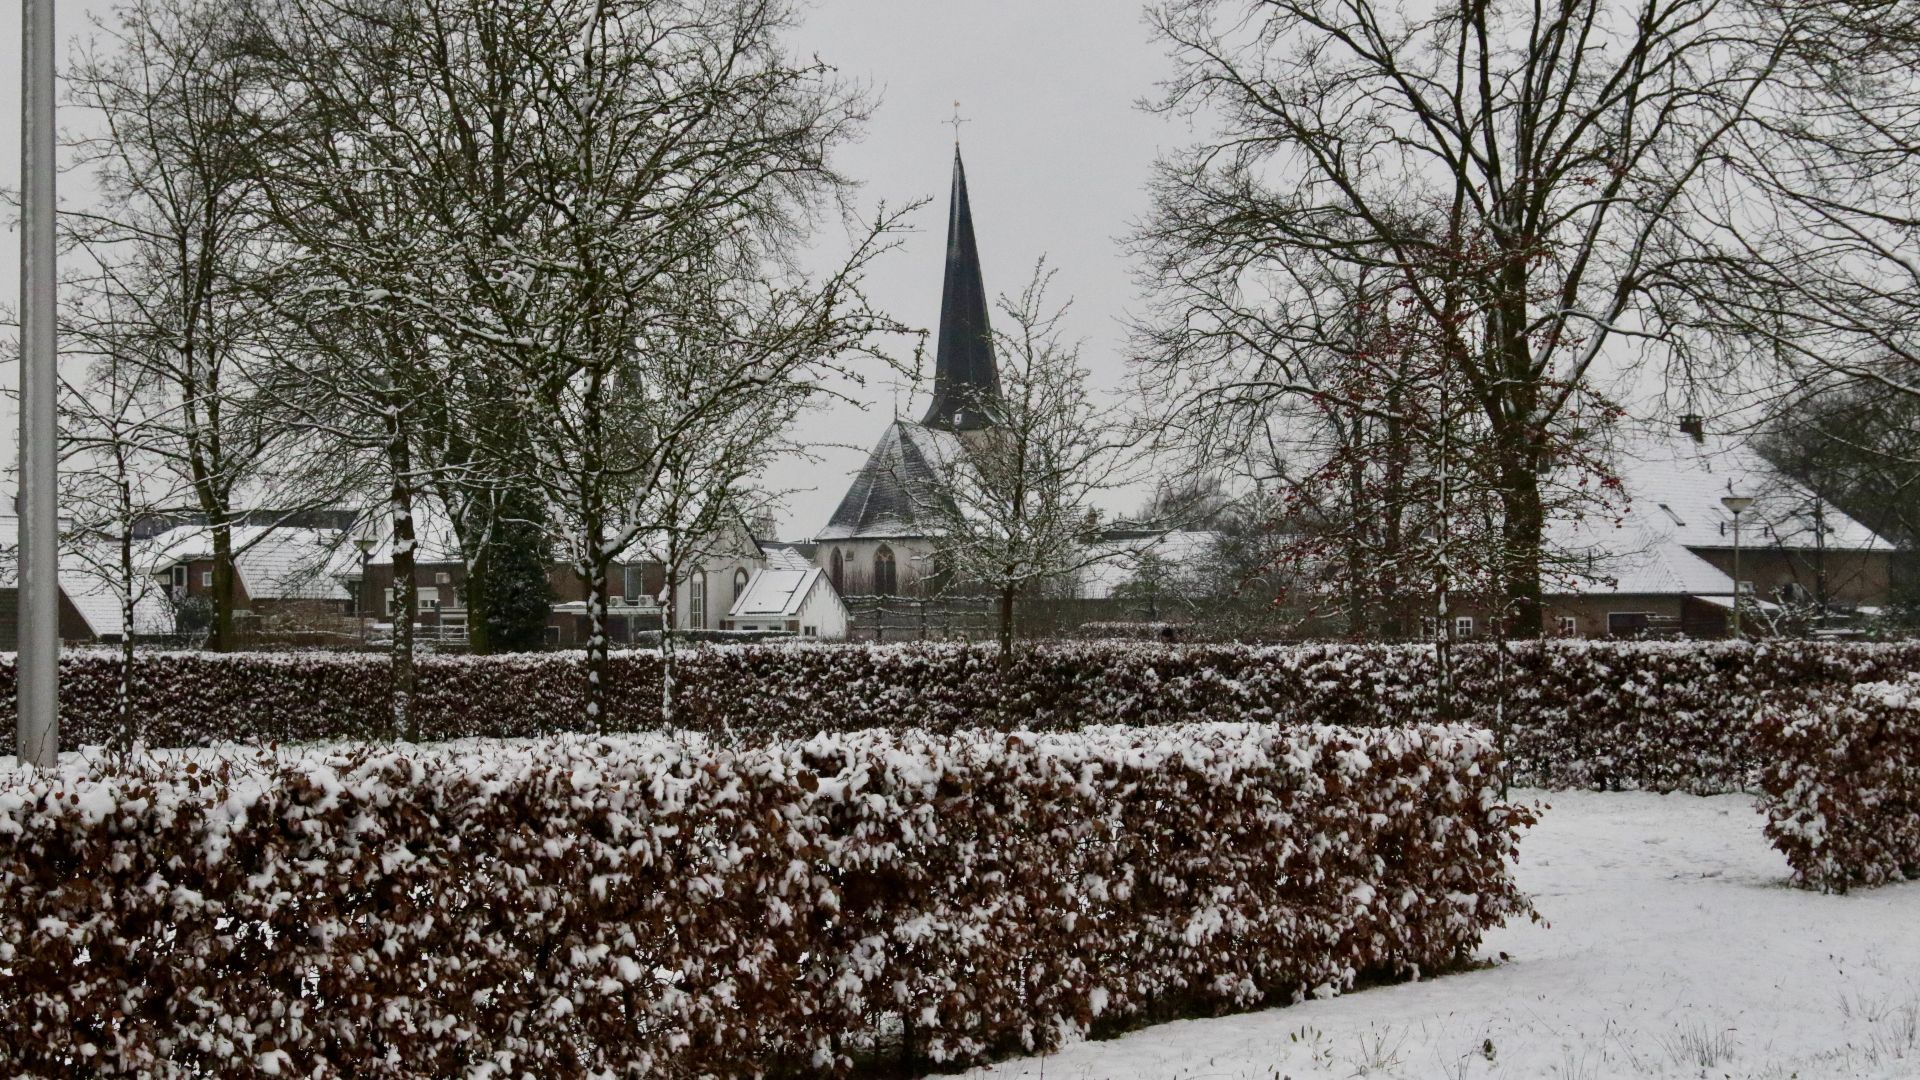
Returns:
(1675,949)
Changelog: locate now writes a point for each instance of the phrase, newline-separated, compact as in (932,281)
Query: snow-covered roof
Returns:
(90,581)
(1674,487)
(775,594)
(782,557)
(1633,557)
(274,563)
(97,598)
(1119,559)
(1678,483)
(887,499)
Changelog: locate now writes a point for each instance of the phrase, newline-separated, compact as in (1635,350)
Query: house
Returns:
(799,600)
(90,592)
(1666,566)
(282,570)
(700,597)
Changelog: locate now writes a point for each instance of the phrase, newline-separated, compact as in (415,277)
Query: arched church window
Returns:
(739,584)
(884,582)
(838,572)
(697,602)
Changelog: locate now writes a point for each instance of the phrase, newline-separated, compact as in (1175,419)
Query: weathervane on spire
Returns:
(956,121)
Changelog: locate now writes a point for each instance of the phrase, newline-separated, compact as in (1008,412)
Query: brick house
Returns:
(701,598)
(1666,566)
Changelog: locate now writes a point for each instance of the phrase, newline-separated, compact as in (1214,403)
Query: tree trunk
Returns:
(474,595)
(667,652)
(593,568)
(128,732)
(1006,624)
(222,637)
(1522,534)
(405,720)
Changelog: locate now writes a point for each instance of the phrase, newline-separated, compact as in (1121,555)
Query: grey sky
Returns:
(1057,158)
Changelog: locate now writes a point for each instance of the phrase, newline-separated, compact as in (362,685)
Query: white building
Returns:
(797,600)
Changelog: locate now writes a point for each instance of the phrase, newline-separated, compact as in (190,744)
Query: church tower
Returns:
(964,372)
(877,542)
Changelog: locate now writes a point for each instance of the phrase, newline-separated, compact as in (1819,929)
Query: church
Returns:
(879,542)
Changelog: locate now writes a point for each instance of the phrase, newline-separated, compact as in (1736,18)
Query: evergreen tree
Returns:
(509,579)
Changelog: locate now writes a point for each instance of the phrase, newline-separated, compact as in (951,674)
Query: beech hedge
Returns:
(675,906)
(1660,716)
(1841,783)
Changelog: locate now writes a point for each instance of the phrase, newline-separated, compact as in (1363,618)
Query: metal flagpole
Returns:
(38,677)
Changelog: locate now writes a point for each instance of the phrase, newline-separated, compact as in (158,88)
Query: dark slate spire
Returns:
(963,369)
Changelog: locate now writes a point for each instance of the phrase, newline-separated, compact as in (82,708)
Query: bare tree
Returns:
(111,480)
(176,236)
(1014,506)
(355,363)
(680,158)
(1531,177)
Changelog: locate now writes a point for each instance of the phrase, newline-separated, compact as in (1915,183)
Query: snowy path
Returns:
(1675,950)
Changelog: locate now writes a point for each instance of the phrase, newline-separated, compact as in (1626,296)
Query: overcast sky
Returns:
(1057,157)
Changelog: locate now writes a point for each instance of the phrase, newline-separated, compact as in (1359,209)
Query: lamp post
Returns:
(365,544)
(37,684)
(1736,505)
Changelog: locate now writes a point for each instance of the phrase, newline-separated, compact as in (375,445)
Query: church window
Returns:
(739,584)
(838,572)
(884,582)
(697,602)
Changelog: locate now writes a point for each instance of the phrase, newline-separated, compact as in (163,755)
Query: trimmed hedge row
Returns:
(673,907)
(1661,716)
(1841,783)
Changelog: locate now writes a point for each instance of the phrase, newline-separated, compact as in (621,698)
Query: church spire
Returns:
(964,375)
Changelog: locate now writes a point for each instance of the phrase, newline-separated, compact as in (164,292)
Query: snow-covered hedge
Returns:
(1663,716)
(665,906)
(1841,783)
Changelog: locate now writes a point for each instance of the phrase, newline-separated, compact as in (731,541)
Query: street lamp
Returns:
(1736,505)
(365,544)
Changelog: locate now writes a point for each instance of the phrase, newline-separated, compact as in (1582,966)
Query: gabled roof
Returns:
(1633,558)
(785,557)
(1677,484)
(891,494)
(274,564)
(91,584)
(775,594)
(964,374)
(1116,560)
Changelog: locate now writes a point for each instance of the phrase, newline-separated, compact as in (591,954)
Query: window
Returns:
(206,579)
(633,584)
(1671,514)
(1429,628)
(1569,626)
(442,577)
(837,571)
(1746,588)
(1463,626)
(697,602)
(810,631)
(884,582)
(739,584)
(1626,623)
(429,598)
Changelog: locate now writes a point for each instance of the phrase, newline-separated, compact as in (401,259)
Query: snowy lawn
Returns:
(1675,949)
